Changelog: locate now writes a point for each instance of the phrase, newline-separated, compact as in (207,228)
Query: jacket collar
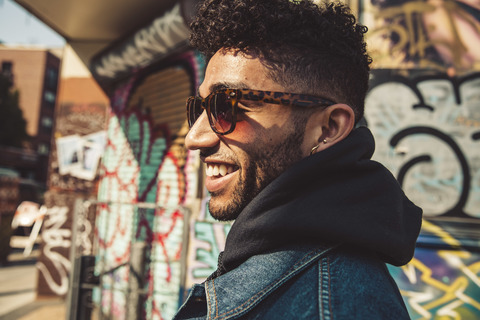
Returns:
(238,291)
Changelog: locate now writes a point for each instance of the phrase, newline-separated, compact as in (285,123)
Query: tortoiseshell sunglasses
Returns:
(222,105)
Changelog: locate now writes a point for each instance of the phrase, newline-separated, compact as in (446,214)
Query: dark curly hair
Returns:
(310,49)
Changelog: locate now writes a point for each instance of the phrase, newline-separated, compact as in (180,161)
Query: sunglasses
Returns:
(222,105)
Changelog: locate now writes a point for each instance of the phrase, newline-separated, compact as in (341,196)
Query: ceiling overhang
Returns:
(92,26)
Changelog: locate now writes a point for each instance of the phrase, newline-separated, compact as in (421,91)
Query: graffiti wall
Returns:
(433,34)
(424,110)
(427,129)
(81,113)
(206,241)
(148,185)
(54,264)
(441,284)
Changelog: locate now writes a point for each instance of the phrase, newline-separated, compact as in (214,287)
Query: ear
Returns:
(332,125)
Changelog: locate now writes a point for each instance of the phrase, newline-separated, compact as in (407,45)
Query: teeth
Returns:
(218,170)
(209,171)
(223,170)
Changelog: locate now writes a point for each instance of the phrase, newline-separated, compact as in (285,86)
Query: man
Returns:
(315,218)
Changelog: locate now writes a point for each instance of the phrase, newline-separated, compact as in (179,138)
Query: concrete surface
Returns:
(18,298)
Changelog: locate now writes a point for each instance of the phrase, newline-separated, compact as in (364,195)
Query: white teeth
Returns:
(216,170)
(209,171)
(223,170)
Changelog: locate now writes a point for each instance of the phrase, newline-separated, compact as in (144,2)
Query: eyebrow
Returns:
(227,85)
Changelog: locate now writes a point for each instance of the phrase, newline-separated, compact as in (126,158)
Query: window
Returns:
(51,78)
(47,122)
(43,149)
(50,98)
(7,70)
(7,67)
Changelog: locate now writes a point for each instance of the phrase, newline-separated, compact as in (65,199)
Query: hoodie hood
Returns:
(335,196)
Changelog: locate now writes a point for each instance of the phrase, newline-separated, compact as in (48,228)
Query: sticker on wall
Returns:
(79,156)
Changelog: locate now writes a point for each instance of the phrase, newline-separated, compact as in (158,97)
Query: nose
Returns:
(201,134)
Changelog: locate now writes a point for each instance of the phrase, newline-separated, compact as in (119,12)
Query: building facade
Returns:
(34,73)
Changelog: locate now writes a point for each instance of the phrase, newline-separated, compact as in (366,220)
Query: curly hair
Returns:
(310,49)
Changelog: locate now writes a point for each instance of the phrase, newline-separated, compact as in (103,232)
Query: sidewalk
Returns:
(40,309)
(18,287)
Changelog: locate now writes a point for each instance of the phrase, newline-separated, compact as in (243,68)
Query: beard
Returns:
(265,163)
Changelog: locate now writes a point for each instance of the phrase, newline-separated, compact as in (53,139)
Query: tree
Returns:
(13,127)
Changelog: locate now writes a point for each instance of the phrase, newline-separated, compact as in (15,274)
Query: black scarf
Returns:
(338,195)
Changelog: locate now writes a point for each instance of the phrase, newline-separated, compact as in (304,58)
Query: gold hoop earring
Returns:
(314,148)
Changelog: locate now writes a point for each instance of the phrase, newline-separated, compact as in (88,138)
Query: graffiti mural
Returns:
(148,178)
(163,35)
(54,263)
(427,134)
(207,240)
(443,284)
(424,110)
(135,167)
(424,34)
(427,127)
(54,236)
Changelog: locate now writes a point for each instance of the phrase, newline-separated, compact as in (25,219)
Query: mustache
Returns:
(207,152)
(204,154)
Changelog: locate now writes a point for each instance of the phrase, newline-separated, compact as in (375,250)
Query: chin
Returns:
(221,212)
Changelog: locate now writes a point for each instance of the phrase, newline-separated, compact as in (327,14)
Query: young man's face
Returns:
(265,142)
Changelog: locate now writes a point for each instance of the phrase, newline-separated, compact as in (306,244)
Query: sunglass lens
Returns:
(194,110)
(221,111)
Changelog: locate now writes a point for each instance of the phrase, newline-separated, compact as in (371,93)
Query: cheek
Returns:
(243,133)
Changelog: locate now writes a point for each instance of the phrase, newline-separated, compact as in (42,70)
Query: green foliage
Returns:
(13,127)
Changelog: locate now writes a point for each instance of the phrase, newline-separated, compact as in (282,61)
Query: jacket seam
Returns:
(252,300)
(325,292)
(216,300)
(209,301)
(320,296)
(329,289)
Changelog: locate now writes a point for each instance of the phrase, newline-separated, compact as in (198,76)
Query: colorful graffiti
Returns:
(423,108)
(427,134)
(147,181)
(207,240)
(443,284)
(138,168)
(427,127)
(424,34)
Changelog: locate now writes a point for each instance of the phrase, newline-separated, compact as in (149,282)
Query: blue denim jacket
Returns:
(300,283)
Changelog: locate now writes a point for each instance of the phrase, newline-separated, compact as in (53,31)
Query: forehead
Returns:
(236,71)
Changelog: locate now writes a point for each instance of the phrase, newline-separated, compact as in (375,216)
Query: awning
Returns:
(91,26)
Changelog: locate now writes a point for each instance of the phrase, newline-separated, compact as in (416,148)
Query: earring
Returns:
(314,148)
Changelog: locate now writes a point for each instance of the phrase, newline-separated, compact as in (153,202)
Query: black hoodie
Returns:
(338,195)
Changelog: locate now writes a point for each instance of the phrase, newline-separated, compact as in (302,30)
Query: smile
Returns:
(219,170)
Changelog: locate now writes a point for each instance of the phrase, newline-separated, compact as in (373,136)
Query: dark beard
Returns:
(266,164)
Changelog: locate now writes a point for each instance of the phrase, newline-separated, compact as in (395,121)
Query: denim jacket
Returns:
(300,283)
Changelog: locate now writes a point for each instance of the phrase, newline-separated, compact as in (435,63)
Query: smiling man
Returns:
(315,219)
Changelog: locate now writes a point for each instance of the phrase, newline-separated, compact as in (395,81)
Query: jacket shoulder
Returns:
(345,283)
(356,282)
